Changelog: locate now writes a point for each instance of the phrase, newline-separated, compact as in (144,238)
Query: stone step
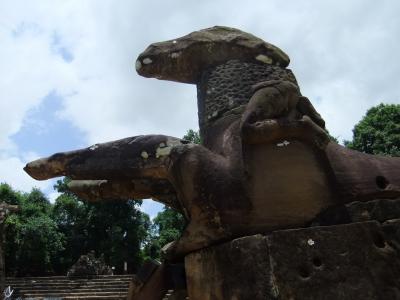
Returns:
(55,288)
(54,295)
(65,277)
(67,280)
(62,287)
(81,297)
(71,284)
(77,297)
(66,290)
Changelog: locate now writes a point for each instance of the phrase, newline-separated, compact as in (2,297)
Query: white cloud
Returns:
(53,196)
(328,43)
(29,72)
(344,56)
(10,172)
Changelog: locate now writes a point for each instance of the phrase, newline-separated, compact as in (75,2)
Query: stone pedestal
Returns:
(350,261)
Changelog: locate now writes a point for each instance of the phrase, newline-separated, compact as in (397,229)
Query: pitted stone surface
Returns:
(228,86)
(380,210)
(344,262)
(184,59)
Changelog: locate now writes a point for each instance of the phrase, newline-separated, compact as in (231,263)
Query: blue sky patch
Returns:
(58,48)
(25,27)
(45,133)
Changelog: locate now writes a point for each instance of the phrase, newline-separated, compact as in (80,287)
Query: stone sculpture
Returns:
(89,266)
(266,161)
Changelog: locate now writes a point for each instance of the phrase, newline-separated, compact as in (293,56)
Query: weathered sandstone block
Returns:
(352,261)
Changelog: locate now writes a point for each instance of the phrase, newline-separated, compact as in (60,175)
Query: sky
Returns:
(68,79)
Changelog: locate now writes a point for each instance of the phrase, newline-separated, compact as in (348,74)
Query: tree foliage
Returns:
(114,229)
(192,136)
(33,241)
(170,225)
(167,226)
(44,239)
(378,132)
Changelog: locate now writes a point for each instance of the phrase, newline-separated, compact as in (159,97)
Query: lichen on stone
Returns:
(263,58)
(145,155)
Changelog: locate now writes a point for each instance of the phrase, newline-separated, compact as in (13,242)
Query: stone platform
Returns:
(348,261)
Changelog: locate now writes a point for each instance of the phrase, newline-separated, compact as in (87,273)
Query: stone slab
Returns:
(350,261)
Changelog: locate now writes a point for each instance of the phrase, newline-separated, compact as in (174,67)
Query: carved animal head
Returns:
(185,58)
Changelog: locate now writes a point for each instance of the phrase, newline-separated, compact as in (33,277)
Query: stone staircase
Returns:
(113,287)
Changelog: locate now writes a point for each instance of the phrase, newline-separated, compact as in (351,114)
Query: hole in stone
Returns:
(304,272)
(381,182)
(379,241)
(317,262)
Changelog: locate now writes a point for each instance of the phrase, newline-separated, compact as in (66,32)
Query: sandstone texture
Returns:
(185,58)
(352,261)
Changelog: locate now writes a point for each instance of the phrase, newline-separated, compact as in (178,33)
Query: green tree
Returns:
(378,132)
(192,136)
(166,227)
(114,229)
(117,230)
(70,216)
(8,195)
(33,241)
(170,225)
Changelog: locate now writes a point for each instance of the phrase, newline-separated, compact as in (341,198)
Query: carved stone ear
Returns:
(305,107)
